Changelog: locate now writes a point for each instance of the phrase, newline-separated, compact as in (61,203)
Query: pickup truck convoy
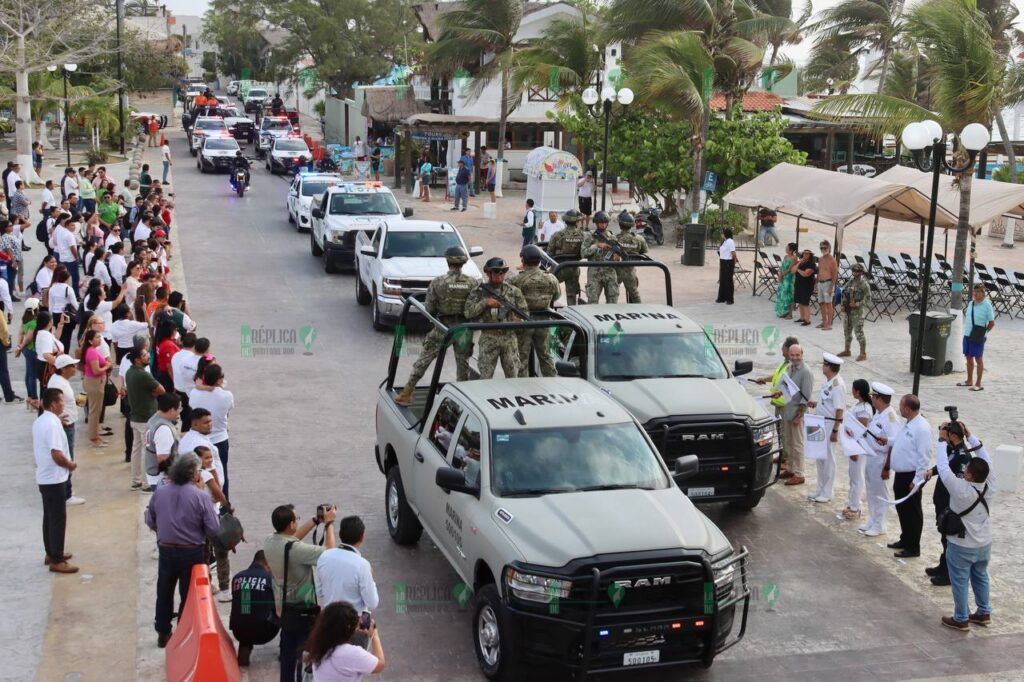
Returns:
(552,504)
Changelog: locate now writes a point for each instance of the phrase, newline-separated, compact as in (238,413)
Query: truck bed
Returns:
(414,412)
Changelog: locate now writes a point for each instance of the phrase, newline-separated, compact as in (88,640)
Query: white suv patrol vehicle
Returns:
(217,153)
(287,154)
(203,126)
(271,127)
(342,211)
(399,259)
(304,187)
(551,503)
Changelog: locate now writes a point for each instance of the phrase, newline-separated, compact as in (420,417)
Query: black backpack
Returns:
(42,234)
(952,523)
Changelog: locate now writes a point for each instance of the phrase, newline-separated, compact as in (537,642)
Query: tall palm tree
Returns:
(562,59)
(728,30)
(1001,16)
(966,75)
(839,65)
(481,38)
(781,35)
(862,26)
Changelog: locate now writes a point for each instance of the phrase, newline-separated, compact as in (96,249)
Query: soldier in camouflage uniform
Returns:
(567,245)
(597,246)
(635,245)
(446,300)
(540,289)
(856,298)
(483,306)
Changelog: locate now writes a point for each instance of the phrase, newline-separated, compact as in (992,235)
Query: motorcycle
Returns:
(327,165)
(648,224)
(238,181)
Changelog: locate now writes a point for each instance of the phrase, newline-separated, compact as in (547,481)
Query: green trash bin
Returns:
(933,350)
(695,237)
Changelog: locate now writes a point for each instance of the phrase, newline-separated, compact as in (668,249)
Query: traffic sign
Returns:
(710,181)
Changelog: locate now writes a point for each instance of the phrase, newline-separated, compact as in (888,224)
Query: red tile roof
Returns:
(754,100)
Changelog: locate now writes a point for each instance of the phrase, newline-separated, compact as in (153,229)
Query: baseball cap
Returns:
(32,304)
(159,233)
(65,360)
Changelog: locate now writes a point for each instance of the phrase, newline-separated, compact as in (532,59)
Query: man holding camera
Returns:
(291,562)
(959,448)
(343,574)
(966,525)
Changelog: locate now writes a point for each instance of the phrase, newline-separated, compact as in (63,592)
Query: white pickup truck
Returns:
(399,259)
(343,211)
(551,503)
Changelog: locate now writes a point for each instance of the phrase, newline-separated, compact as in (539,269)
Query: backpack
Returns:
(952,523)
(42,234)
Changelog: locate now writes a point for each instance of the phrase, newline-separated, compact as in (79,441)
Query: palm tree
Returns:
(839,65)
(728,30)
(563,59)
(862,26)
(1001,16)
(783,35)
(99,115)
(966,76)
(481,38)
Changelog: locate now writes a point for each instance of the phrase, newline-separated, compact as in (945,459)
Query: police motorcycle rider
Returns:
(276,104)
(239,161)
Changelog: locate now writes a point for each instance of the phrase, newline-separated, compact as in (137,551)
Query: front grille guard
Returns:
(710,649)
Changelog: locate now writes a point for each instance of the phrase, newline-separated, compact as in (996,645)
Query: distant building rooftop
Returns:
(753,100)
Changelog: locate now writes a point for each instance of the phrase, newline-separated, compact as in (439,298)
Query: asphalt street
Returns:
(303,432)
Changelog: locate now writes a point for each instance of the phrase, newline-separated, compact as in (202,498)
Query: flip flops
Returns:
(963,384)
(976,388)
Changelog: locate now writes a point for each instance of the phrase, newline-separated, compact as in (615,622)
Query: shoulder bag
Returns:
(231,532)
(978,331)
(294,617)
(951,523)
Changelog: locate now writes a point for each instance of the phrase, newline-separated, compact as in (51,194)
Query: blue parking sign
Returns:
(710,181)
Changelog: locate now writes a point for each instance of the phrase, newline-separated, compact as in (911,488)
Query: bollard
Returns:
(1006,464)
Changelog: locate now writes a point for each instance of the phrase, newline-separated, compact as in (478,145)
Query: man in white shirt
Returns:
(48,200)
(184,364)
(885,424)
(69,183)
(65,244)
(727,262)
(550,227)
(830,404)
(50,447)
(143,230)
(12,179)
(5,298)
(162,439)
(967,556)
(529,224)
(342,574)
(66,366)
(116,263)
(909,461)
(212,396)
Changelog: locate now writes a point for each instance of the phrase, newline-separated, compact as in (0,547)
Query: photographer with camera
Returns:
(291,562)
(343,574)
(965,524)
(953,439)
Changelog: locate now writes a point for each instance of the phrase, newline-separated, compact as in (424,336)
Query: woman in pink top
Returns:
(94,367)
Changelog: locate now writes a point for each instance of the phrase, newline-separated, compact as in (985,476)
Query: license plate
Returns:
(641,657)
(700,492)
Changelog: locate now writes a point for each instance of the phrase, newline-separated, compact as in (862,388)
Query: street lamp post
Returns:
(921,138)
(608,97)
(68,68)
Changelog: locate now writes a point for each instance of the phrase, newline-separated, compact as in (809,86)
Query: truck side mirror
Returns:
(564,368)
(741,367)
(317,213)
(407,213)
(475,251)
(685,467)
(367,250)
(450,478)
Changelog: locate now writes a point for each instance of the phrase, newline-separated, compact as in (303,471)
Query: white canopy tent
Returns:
(990,199)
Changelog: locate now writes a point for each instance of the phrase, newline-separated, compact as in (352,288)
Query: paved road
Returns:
(303,433)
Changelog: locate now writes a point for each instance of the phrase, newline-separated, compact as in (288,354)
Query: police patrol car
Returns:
(217,153)
(203,126)
(552,504)
(241,126)
(666,371)
(341,212)
(287,154)
(271,127)
(304,187)
(399,259)
(254,99)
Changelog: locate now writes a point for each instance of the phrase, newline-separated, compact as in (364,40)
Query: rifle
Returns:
(616,248)
(506,305)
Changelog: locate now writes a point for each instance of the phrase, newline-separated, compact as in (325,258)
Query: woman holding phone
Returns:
(333,658)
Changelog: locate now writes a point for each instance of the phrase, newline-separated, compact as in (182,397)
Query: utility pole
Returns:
(119,10)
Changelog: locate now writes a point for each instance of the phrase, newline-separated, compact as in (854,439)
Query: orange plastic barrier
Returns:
(201,650)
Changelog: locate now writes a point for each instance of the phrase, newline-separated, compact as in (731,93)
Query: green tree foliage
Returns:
(741,148)
(234,29)
(148,66)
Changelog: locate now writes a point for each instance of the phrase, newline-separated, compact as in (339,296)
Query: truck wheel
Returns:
(314,248)
(378,324)
(403,525)
(291,219)
(491,635)
(362,293)
(748,502)
(329,266)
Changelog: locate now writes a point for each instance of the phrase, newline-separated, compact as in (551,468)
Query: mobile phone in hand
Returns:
(364,620)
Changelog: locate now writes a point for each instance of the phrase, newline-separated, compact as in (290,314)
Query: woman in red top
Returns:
(166,347)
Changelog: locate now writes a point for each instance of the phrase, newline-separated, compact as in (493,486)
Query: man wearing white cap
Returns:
(884,424)
(830,404)
(66,366)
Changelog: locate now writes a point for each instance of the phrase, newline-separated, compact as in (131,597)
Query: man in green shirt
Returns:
(142,390)
(301,592)
(109,211)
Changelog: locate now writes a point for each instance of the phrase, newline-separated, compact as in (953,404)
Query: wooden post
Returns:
(407,161)
(757,244)
(798,232)
(476,161)
(920,247)
(874,236)
(830,138)
(849,154)
(398,159)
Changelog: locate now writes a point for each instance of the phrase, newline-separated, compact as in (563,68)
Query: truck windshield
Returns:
(211,124)
(257,93)
(623,356)
(291,146)
(275,124)
(363,204)
(418,244)
(576,459)
(313,187)
(222,144)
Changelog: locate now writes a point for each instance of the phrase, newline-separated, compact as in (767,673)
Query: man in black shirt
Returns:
(958,453)
(253,617)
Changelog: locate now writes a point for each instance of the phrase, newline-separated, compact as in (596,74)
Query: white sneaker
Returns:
(874,532)
(821,500)
(224,596)
(863,528)
(75,500)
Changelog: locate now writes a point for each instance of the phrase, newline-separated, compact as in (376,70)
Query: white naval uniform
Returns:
(886,424)
(831,399)
(856,470)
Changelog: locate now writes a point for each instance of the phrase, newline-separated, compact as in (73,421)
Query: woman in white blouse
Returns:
(60,296)
(44,275)
(862,411)
(48,347)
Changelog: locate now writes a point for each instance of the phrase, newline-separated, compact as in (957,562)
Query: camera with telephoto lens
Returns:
(321,510)
(954,414)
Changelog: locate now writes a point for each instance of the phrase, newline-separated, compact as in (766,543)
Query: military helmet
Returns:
(571,217)
(456,255)
(601,217)
(626,219)
(531,253)
(496,264)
